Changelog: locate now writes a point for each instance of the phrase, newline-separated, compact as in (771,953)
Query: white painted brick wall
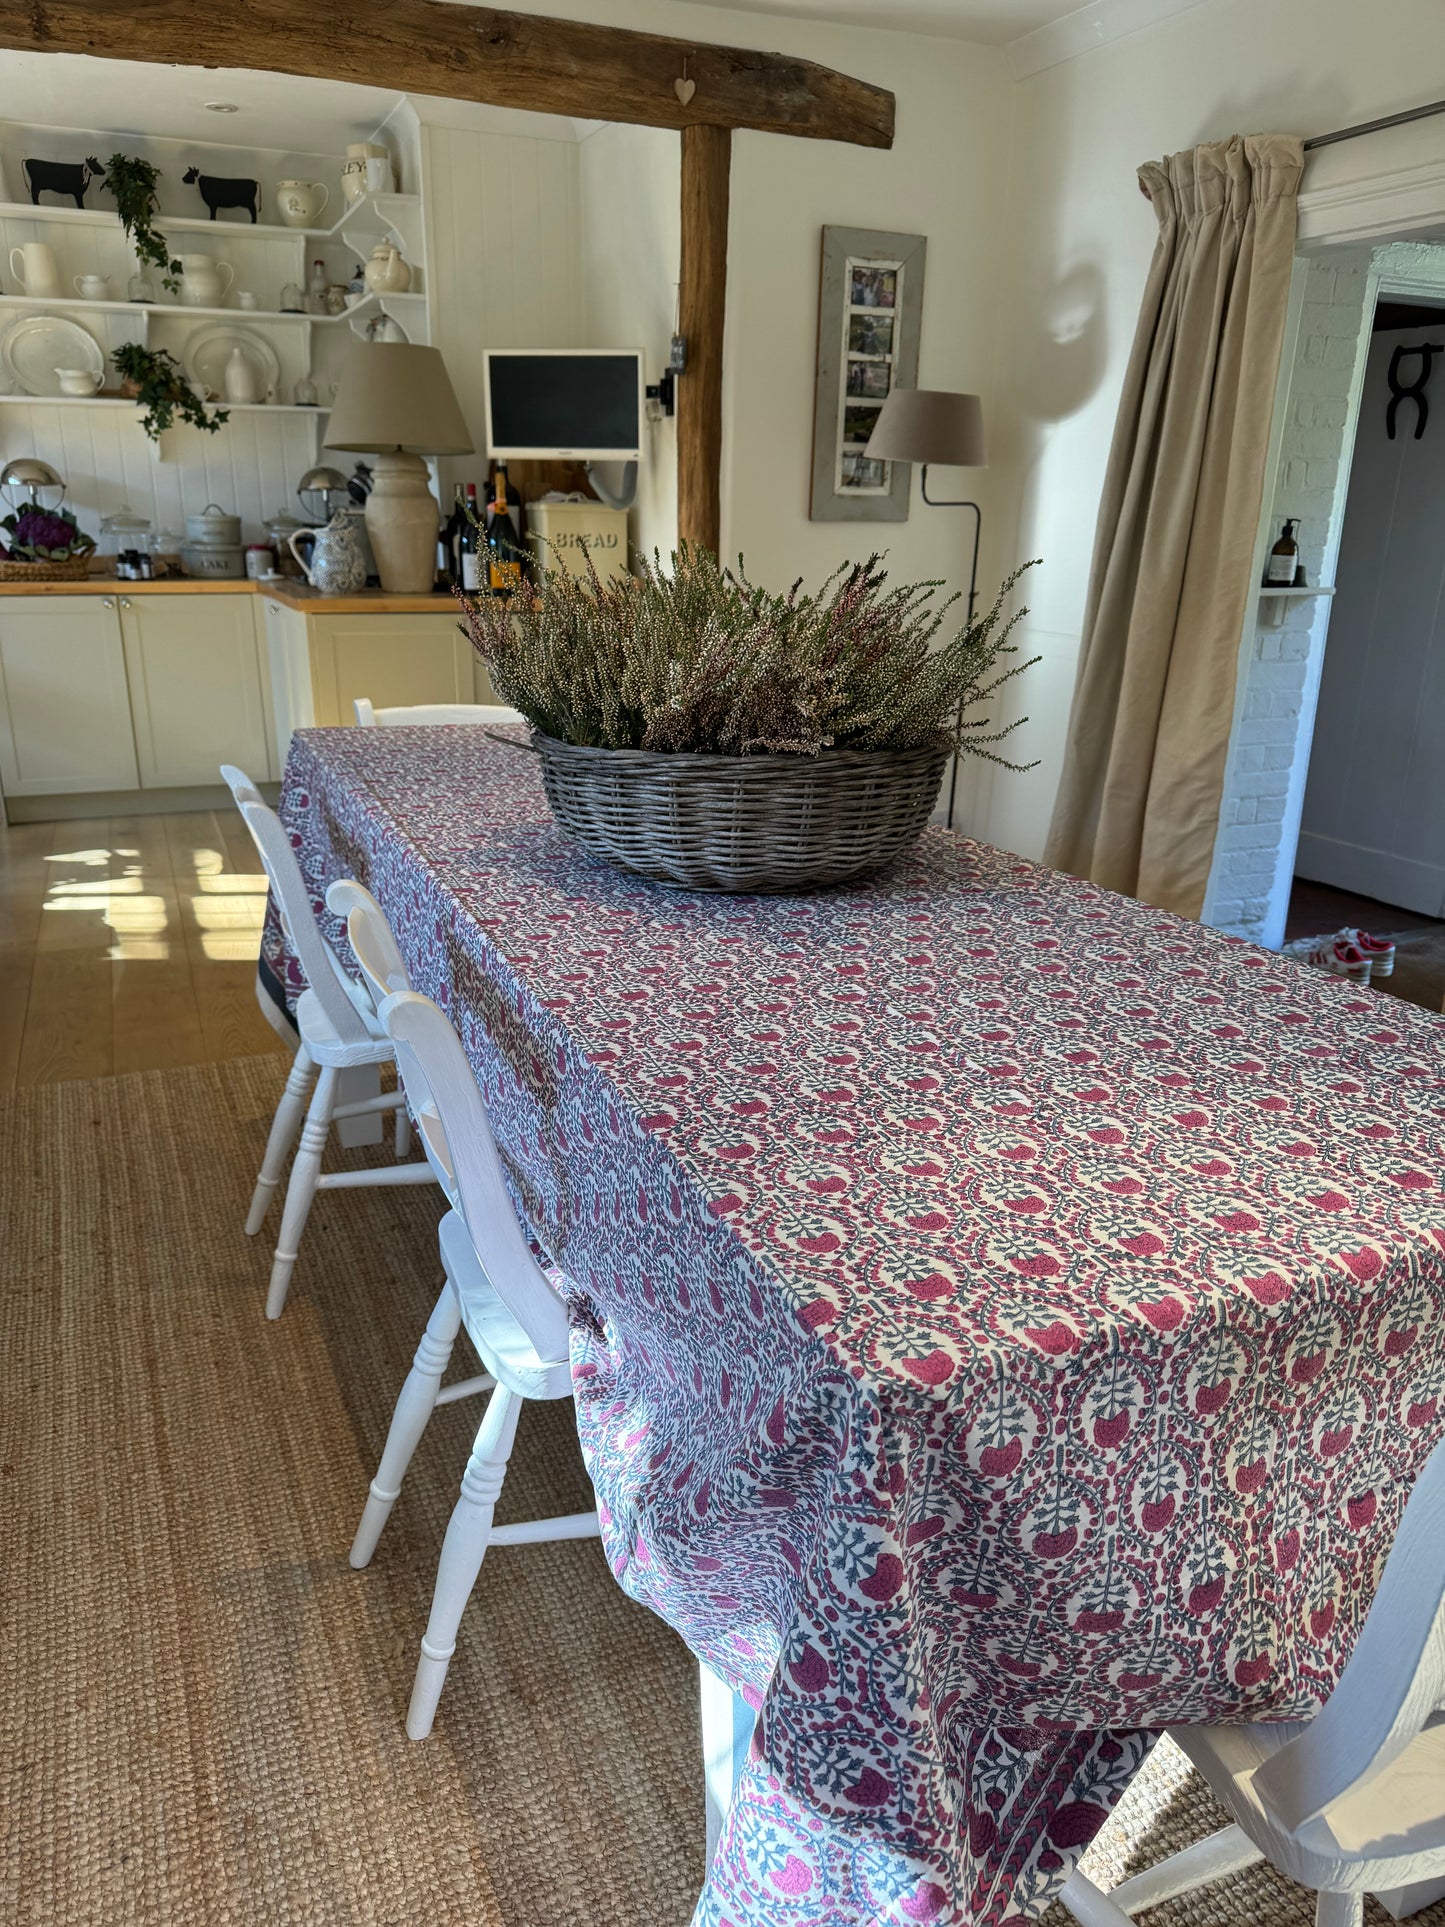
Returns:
(1278,663)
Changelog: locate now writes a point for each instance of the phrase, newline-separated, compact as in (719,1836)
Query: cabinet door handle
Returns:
(125,602)
(107,602)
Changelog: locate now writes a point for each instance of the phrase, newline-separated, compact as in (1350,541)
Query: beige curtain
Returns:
(1172,576)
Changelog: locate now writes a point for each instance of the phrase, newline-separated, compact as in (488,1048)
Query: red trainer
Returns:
(1379,950)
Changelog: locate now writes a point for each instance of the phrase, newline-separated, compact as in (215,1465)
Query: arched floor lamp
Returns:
(933,426)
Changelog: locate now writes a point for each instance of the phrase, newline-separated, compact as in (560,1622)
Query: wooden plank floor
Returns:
(128,943)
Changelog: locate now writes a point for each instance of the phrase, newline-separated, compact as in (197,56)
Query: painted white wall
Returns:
(1080,238)
(503,219)
(630,236)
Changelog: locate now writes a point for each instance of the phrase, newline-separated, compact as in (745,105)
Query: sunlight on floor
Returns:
(226,907)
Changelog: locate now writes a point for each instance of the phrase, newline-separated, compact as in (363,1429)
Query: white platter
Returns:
(209,349)
(34,347)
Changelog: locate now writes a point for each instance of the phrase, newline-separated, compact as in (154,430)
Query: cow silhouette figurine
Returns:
(61,177)
(224,190)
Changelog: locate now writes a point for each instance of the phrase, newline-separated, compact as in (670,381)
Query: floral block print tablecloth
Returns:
(1006,1318)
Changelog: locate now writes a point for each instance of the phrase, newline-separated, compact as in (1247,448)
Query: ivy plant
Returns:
(132,182)
(162,391)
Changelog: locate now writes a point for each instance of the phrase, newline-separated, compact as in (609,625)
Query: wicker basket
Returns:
(76,569)
(746,823)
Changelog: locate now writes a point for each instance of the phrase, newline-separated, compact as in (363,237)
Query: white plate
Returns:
(34,347)
(209,349)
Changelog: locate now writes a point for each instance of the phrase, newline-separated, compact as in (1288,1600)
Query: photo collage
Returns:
(874,293)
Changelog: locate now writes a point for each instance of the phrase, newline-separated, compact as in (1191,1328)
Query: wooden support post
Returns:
(702,302)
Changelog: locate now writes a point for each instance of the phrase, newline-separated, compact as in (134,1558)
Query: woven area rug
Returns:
(200,1703)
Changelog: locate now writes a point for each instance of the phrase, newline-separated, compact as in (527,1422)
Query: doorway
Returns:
(1371,851)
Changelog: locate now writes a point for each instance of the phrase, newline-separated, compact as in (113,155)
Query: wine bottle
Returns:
(451,540)
(470,543)
(504,561)
(1283,558)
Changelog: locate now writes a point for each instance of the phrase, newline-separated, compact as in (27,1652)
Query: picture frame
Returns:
(870,304)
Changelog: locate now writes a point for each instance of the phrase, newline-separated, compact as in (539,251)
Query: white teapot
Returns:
(386,272)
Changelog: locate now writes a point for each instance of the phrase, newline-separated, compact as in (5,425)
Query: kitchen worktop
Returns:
(296,595)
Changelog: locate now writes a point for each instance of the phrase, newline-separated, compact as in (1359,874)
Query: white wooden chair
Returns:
(1348,1803)
(513,1314)
(339,1031)
(432,713)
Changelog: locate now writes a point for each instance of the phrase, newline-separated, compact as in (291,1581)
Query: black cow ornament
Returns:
(71,178)
(224,190)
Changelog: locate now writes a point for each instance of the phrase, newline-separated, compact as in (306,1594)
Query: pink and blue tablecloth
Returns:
(1006,1319)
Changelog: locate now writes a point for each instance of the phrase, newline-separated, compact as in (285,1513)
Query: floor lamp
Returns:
(933,426)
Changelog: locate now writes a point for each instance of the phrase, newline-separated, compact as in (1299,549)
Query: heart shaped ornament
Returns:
(684,89)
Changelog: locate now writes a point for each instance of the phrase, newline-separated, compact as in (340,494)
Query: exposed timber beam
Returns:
(471,53)
(702,300)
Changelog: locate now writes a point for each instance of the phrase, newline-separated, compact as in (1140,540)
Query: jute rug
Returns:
(200,1703)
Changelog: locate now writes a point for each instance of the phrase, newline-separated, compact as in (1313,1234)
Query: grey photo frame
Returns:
(870,303)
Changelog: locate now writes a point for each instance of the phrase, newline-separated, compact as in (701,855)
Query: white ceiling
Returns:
(119,97)
(995,22)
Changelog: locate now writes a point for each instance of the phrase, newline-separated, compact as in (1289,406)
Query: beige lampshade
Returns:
(929,425)
(395,396)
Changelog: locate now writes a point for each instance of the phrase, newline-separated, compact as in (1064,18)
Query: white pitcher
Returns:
(201,283)
(301,203)
(36,269)
(243,381)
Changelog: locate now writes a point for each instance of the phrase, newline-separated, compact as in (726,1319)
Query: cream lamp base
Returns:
(402,520)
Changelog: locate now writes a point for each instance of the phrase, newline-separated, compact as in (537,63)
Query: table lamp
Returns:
(933,425)
(396,403)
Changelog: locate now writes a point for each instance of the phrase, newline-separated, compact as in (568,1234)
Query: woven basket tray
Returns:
(75,570)
(748,823)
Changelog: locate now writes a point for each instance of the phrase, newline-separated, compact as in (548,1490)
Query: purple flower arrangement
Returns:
(43,535)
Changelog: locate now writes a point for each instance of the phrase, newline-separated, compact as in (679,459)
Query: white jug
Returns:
(201,283)
(36,269)
(243,380)
(93,287)
(301,203)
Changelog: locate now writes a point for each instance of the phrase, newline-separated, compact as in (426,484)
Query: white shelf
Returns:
(46,306)
(124,401)
(1272,615)
(386,209)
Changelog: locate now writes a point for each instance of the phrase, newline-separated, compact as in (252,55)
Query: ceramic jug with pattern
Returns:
(337,565)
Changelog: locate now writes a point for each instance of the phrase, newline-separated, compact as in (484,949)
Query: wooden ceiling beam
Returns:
(519,60)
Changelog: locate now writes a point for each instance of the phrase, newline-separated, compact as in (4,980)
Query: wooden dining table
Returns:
(1006,1319)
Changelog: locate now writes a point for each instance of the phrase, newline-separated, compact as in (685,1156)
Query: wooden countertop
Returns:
(295,595)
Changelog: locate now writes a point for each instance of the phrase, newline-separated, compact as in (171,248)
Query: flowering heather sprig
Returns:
(701,659)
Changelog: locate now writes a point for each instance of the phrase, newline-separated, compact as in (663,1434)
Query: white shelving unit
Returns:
(91,240)
(1276,601)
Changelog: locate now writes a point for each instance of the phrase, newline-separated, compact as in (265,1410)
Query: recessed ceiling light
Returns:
(222,107)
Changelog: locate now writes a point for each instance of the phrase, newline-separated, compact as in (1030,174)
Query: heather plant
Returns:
(698,658)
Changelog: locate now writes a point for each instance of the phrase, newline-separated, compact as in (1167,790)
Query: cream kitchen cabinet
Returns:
(65,722)
(198,688)
(321,660)
(112,694)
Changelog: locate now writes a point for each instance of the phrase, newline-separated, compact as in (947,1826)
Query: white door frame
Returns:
(1396,209)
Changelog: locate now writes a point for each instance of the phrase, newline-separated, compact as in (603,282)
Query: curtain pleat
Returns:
(1172,574)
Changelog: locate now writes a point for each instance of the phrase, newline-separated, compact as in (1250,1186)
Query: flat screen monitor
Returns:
(581,404)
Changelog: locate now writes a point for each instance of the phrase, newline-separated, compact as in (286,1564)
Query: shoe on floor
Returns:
(1340,958)
(1379,950)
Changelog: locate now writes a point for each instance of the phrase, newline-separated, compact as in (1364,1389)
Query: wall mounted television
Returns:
(572,404)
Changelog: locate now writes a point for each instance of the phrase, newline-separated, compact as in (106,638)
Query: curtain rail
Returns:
(1374,126)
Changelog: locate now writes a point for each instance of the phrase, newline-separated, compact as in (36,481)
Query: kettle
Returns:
(337,566)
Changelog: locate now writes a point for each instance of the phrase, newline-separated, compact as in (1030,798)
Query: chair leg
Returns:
(305,1170)
(284,1126)
(403,1131)
(1089,1905)
(463,1550)
(414,1407)
(1339,1910)
(1194,1866)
